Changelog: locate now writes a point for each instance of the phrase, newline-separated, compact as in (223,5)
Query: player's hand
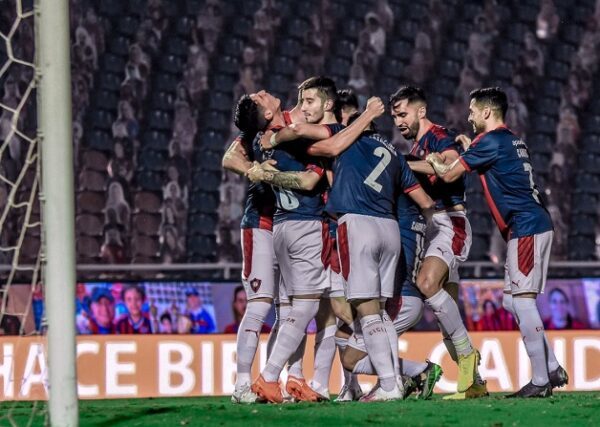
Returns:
(437,162)
(265,140)
(375,107)
(255,173)
(463,140)
(269,165)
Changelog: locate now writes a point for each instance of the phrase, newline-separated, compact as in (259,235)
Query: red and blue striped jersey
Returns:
(502,161)
(437,140)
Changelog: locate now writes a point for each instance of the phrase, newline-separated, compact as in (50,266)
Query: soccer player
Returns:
(448,240)
(255,113)
(502,162)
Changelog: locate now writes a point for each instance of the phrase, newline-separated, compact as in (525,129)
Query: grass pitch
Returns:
(564,409)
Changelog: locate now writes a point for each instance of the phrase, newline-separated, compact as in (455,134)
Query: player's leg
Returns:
(359,245)
(259,283)
(298,245)
(324,348)
(527,260)
(448,240)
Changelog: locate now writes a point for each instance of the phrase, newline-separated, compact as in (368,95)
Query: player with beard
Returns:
(503,164)
(448,240)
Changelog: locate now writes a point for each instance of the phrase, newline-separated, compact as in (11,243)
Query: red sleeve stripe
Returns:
(328,130)
(412,188)
(319,170)
(465,165)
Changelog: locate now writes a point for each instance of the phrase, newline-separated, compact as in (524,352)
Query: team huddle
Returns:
(363,237)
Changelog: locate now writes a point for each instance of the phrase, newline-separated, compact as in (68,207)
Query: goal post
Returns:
(58,213)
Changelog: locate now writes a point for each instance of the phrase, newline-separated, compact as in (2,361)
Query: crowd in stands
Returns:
(137,138)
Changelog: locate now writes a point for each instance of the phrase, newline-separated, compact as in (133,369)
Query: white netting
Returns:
(21,295)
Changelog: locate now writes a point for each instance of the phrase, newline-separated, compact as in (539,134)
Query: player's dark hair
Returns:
(324,85)
(493,97)
(247,116)
(410,93)
(558,291)
(345,98)
(139,289)
(167,316)
(353,117)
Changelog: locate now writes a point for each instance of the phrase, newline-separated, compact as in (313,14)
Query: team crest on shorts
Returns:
(255,284)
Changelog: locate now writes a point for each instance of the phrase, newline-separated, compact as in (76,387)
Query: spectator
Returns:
(200,320)
(126,125)
(166,324)
(112,250)
(116,201)
(238,307)
(102,313)
(10,324)
(134,322)
(246,83)
(517,116)
(417,71)
(561,232)
(359,83)
(228,250)
(209,23)
(376,32)
(547,21)
(560,312)
(533,57)
(488,320)
(365,55)
(172,244)
(185,128)
(480,46)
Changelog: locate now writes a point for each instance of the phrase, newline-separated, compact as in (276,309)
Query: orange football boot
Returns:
(301,391)
(269,391)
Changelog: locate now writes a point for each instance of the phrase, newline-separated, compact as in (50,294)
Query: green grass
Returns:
(564,409)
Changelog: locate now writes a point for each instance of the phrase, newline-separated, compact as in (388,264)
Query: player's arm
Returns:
(295,180)
(447,173)
(336,144)
(293,132)
(422,166)
(422,199)
(236,158)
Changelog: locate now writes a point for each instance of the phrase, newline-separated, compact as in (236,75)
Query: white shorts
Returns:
(299,250)
(526,264)
(449,238)
(258,261)
(336,285)
(369,250)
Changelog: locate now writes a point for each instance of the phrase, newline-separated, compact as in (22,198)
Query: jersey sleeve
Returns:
(333,128)
(408,181)
(480,154)
(445,144)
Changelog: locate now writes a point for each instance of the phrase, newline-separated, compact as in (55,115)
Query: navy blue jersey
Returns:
(260,199)
(502,161)
(412,239)
(367,177)
(437,140)
(299,205)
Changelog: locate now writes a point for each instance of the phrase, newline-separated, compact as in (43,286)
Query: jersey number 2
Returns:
(371,180)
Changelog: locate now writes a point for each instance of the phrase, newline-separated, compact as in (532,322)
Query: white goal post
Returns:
(57,196)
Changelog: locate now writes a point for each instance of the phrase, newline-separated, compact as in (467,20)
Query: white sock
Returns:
(281,312)
(291,333)
(446,311)
(295,364)
(247,339)
(324,355)
(341,343)
(507,303)
(392,338)
(378,348)
(532,331)
(411,368)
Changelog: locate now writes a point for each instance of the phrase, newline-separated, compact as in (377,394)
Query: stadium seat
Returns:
(160,120)
(171,64)
(100,140)
(127,25)
(106,100)
(178,47)
(209,160)
(213,140)
(202,248)
(162,101)
(147,246)
(290,48)
(527,14)
(110,81)
(146,224)
(450,69)
(516,32)
(393,68)
(166,82)
(345,48)
(564,52)
(584,203)
(572,34)
(147,201)
(204,202)
(183,27)
(90,202)
(119,45)
(89,225)
(479,249)
(283,65)
(94,160)
(149,180)
(110,8)
(203,224)
(582,248)
(219,101)
(227,64)
(91,180)
(218,121)
(582,225)
(88,249)
(462,31)
(592,125)
(206,180)
(152,160)
(112,63)
(551,88)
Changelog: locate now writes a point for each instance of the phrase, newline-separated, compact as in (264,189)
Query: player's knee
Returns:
(428,284)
